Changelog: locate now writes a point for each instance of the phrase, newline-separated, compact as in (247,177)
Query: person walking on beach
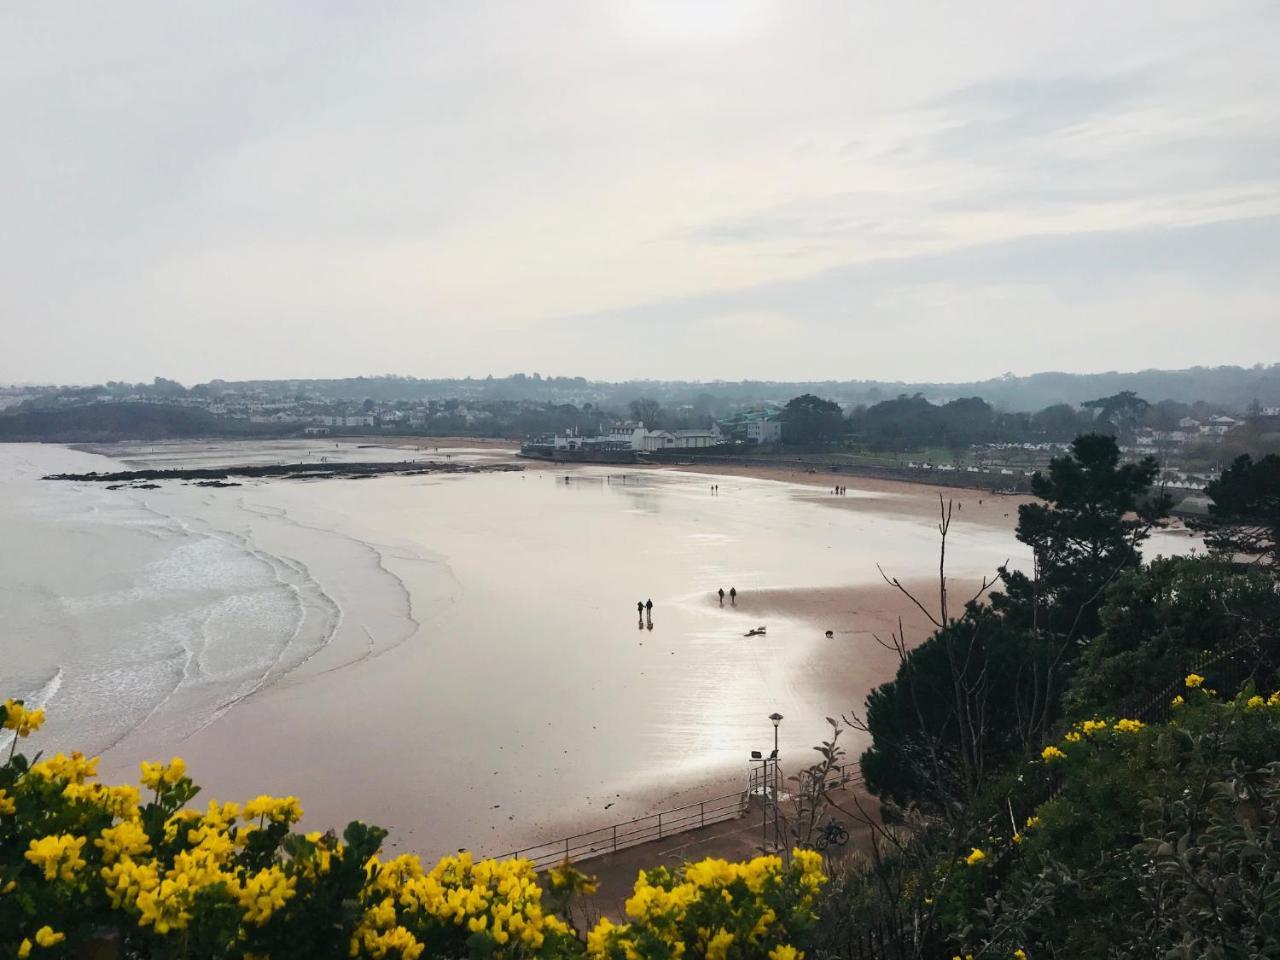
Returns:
(733,596)
(640,608)
(648,608)
(721,592)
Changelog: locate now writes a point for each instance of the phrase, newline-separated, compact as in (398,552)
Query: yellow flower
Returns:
(24,949)
(1073,737)
(1032,823)
(74,769)
(1017,838)
(7,806)
(1090,727)
(1274,699)
(157,775)
(1177,701)
(126,880)
(599,938)
(975,857)
(58,856)
(122,801)
(174,825)
(718,948)
(1051,753)
(569,879)
(1019,954)
(786,952)
(275,809)
(1255,703)
(126,839)
(1194,680)
(164,906)
(46,936)
(264,893)
(396,940)
(21,720)
(1130,726)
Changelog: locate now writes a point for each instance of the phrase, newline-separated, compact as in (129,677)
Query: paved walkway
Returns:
(731,840)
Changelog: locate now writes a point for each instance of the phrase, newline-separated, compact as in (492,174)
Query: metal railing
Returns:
(632,833)
(660,825)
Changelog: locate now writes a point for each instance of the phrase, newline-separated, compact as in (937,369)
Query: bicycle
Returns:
(833,835)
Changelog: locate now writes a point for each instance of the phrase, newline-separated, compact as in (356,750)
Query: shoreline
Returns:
(903,496)
(708,680)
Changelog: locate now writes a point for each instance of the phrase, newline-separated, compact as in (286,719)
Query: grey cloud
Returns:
(1219,254)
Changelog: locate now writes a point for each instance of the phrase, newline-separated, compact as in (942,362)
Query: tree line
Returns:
(1083,758)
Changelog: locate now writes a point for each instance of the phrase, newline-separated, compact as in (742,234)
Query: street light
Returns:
(772,795)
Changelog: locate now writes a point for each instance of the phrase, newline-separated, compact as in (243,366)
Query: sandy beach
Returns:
(459,658)
(914,499)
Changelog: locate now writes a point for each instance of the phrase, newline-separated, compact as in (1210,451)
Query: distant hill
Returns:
(1235,387)
(101,422)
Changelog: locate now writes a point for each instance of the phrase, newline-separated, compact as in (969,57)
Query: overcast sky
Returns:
(662,188)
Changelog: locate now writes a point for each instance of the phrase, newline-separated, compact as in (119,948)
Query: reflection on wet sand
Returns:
(478,647)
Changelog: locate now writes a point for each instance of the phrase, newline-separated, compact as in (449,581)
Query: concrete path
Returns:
(731,840)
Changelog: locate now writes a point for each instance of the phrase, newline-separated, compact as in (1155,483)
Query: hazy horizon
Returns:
(700,190)
(531,374)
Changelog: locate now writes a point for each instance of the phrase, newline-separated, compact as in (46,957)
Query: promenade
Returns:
(738,839)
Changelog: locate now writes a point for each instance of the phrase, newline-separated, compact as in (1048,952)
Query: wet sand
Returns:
(466,667)
(892,496)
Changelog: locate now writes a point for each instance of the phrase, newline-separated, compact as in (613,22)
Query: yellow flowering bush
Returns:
(458,906)
(91,869)
(1051,753)
(23,722)
(716,910)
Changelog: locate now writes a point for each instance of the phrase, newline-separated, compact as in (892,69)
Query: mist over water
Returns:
(458,658)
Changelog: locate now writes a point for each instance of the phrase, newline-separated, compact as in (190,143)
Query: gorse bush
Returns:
(1118,839)
(117,871)
(1159,840)
(715,909)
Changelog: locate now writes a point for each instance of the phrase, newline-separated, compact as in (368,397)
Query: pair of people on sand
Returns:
(733,596)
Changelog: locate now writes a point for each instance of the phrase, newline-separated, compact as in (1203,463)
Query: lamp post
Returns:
(773,791)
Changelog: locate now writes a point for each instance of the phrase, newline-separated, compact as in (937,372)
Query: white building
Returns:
(648,441)
(1218,426)
(624,431)
(696,439)
(764,431)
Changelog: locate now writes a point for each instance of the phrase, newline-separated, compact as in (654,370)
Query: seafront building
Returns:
(624,439)
(761,424)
